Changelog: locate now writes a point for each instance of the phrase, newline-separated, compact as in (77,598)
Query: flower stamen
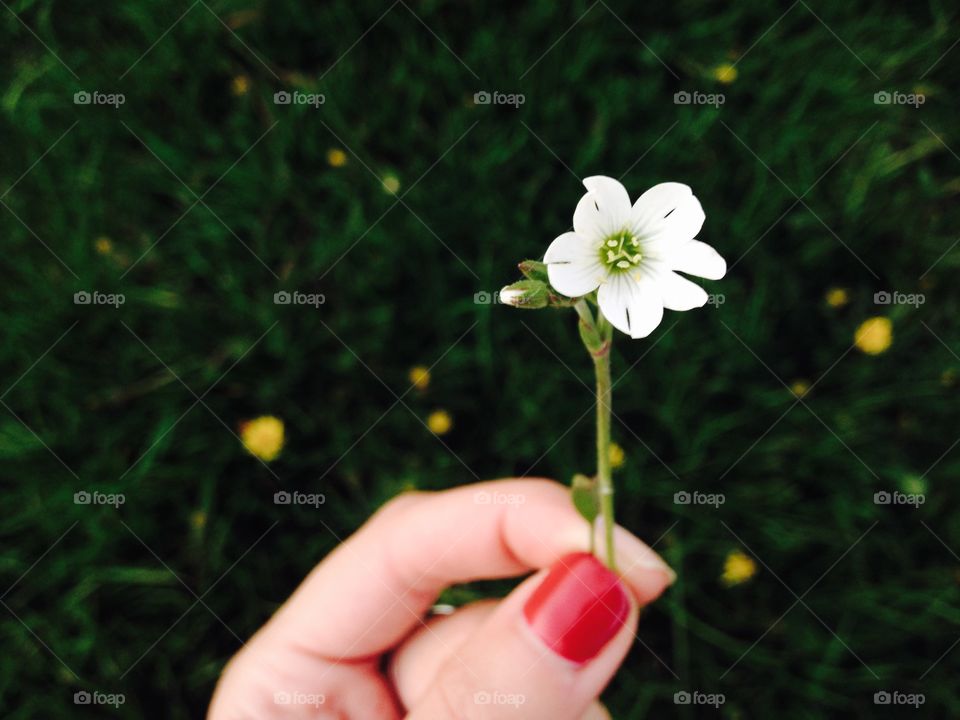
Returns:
(621,258)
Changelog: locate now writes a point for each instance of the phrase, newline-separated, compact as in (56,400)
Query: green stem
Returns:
(597,336)
(601,363)
(583,310)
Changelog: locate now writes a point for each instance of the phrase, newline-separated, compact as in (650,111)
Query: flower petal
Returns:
(681,221)
(657,203)
(573,265)
(632,306)
(588,221)
(697,258)
(677,292)
(612,199)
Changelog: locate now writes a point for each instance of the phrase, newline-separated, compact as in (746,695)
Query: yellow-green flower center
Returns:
(621,251)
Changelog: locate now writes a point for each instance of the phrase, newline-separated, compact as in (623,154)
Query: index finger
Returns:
(375,588)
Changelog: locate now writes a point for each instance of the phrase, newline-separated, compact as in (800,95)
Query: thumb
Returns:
(547,651)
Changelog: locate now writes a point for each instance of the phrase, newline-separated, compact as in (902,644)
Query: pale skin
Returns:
(356,640)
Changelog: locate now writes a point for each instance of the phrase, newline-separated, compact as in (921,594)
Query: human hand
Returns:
(353,642)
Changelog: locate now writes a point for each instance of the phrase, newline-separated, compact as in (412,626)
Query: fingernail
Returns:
(633,553)
(650,560)
(578,608)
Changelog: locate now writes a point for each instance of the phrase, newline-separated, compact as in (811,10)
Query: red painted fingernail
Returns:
(578,608)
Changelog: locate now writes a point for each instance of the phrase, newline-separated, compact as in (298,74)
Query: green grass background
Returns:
(92,401)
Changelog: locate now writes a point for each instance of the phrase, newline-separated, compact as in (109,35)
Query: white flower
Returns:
(632,253)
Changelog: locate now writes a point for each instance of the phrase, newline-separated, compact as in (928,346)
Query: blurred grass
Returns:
(701,407)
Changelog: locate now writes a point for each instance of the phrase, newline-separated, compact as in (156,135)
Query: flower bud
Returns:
(534,270)
(527,294)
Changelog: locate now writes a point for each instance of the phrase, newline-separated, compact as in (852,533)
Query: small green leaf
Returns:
(586,500)
(591,337)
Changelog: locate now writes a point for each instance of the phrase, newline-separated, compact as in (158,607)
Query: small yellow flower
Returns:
(240,85)
(948,378)
(800,388)
(419,377)
(103,245)
(391,184)
(263,437)
(336,157)
(725,73)
(874,335)
(914,485)
(837,297)
(198,520)
(439,422)
(738,568)
(617,456)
